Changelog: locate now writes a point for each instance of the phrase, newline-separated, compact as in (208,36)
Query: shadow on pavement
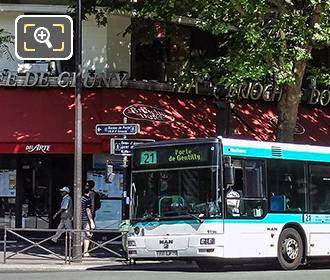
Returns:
(193,268)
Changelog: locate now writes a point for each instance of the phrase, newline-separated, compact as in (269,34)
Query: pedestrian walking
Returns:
(94,196)
(87,221)
(65,212)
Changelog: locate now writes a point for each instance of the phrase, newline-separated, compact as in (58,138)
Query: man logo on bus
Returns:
(166,241)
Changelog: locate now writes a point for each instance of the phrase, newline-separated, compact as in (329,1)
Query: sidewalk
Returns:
(26,263)
(42,263)
(52,257)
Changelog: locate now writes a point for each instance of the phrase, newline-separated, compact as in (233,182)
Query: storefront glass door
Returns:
(7,197)
(34,193)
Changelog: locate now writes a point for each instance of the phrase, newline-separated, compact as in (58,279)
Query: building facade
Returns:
(124,82)
(37,112)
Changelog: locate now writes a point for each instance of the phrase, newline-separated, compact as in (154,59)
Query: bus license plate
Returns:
(167,253)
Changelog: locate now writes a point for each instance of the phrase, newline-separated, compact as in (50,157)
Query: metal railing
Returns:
(116,240)
(110,246)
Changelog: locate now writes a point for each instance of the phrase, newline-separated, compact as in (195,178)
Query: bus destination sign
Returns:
(185,155)
(174,156)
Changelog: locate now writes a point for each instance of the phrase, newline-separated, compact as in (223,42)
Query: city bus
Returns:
(218,201)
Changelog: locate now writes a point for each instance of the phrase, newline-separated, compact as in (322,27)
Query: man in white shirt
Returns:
(65,212)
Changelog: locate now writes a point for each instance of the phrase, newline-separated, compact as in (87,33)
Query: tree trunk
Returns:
(288,106)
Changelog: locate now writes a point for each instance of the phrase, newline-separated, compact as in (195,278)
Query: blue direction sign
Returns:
(121,146)
(117,129)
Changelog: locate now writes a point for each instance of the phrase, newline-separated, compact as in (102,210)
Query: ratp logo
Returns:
(43,37)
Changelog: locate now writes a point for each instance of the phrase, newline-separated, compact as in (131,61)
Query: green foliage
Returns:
(267,37)
(320,74)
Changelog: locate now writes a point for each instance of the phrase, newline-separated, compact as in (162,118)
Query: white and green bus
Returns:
(181,207)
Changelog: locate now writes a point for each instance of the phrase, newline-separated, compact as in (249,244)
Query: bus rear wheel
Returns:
(290,249)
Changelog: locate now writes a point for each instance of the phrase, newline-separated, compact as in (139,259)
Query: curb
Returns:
(103,266)
(57,267)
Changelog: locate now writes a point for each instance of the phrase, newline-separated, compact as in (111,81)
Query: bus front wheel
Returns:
(290,249)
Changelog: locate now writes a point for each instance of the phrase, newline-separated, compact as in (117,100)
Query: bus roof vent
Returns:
(276,151)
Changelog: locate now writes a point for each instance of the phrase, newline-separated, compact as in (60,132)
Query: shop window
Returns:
(150,59)
(7,198)
(286,186)
(321,57)
(159,51)
(319,188)
(203,44)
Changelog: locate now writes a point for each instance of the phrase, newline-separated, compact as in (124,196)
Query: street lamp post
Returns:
(77,250)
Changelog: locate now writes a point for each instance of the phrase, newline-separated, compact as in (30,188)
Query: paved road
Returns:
(142,273)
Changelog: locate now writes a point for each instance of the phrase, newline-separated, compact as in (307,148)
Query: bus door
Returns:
(245,203)
(318,217)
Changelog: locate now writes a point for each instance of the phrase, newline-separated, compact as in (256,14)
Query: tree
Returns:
(264,38)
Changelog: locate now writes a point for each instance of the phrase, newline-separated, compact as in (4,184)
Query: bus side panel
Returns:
(256,238)
(317,227)
(247,240)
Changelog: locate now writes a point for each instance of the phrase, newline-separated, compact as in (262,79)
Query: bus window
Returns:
(245,199)
(286,186)
(176,193)
(254,181)
(319,188)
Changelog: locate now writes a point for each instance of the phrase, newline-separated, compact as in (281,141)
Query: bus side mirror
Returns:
(229,176)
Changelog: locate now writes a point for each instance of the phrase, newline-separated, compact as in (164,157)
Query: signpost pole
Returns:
(78,138)
(125,163)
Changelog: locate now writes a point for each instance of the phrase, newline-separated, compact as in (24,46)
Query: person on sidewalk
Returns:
(94,196)
(65,212)
(87,221)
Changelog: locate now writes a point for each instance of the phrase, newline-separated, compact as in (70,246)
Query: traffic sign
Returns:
(121,146)
(117,129)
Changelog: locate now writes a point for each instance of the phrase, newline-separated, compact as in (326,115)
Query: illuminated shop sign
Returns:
(174,156)
(38,148)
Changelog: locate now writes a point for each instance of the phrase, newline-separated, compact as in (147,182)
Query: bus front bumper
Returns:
(190,252)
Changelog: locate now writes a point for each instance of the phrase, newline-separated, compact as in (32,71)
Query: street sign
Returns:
(117,129)
(121,146)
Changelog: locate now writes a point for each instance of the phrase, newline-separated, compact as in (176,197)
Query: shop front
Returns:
(37,145)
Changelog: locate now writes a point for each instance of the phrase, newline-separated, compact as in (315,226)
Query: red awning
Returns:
(41,120)
(257,120)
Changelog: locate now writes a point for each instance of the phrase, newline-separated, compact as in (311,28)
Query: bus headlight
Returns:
(131,243)
(207,241)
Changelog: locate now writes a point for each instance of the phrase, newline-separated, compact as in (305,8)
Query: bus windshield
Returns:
(175,194)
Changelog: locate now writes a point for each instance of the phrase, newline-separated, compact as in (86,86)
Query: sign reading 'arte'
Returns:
(38,148)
